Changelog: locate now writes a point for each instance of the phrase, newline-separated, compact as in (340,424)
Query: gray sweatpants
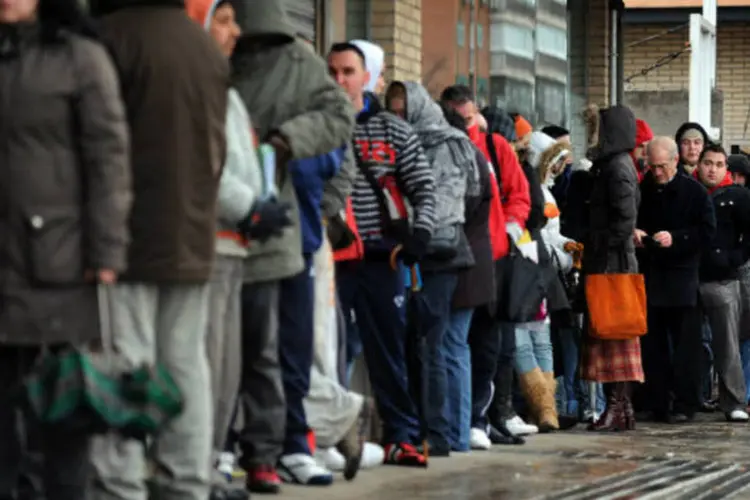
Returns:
(223,342)
(331,409)
(166,324)
(721,305)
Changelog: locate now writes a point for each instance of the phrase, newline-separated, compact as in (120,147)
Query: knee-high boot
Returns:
(541,400)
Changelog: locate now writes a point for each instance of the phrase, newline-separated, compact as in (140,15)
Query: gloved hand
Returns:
(514,230)
(266,219)
(415,247)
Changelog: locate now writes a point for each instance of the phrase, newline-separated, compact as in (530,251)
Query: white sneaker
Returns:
(738,416)
(518,427)
(479,440)
(225,464)
(300,468)
(330,458)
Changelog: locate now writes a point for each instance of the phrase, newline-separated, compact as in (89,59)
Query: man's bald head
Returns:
(663,156)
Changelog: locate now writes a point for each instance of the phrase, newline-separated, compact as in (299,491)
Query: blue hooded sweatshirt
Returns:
(309,176)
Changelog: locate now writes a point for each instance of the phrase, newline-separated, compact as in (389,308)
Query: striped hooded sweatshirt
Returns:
(242,179)
(388,146)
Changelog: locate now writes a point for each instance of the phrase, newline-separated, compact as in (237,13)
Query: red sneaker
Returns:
(263,479)
(404,454)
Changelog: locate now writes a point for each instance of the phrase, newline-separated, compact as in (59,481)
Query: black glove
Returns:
(266,219)
(339,234)
(415,247)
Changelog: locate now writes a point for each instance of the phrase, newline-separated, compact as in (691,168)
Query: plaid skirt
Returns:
(611,360)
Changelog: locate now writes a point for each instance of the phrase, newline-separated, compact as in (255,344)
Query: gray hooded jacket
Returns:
(449,152)
(287,90)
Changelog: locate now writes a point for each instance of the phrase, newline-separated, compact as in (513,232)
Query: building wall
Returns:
(448,60)
(732,71)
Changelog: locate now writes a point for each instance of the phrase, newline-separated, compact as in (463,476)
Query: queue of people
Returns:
(261,220)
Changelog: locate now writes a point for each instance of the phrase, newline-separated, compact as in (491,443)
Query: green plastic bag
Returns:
(81,390)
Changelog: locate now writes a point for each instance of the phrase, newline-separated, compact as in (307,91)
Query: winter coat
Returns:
(476,285)
(609,246)
(452,157)
(730,246)
(175,81)
(287,90)
(66,185)
(510,198)
(574,221)
(683,208)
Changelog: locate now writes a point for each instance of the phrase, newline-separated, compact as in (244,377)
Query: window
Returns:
(472,34)
(552,41)
(460,34)
(550,102)
(513,95)
(516,40)
(480,36)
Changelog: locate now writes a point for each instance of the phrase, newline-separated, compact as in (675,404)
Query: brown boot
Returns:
(541,400)
(614,418)
(563,422)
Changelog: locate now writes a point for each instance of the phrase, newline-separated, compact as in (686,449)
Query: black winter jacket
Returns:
(729,247)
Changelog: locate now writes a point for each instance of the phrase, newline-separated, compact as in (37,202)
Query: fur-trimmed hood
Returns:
(544,152)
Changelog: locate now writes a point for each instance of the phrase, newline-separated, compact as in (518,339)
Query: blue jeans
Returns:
(376,294)
(432,307)
(745,354)
(457,407)
(533,348)
(573,392)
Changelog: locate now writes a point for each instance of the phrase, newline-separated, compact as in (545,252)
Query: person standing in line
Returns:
(66,194)
(174,81)
(301,112)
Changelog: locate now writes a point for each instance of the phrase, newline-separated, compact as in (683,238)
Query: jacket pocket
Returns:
(55,247)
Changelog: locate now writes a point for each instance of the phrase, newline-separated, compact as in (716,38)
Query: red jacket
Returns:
(514,204)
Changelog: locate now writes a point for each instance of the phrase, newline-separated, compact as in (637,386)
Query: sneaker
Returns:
(225,465)
(352,446)
(330,458)
(479,440)
(518,427)
(403,454)
(302,469)
(737,416)
(263,479)
(218,493)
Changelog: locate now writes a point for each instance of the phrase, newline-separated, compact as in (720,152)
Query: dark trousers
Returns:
(503,400)
(433,313)
(375,293)
(296,349)
(261,390)
(484,342)
(62,458)
(673,359)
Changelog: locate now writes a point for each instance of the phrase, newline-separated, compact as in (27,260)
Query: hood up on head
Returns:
(691,126)
(544,152)
(100,8)
(201,11)
(374,61)
(500,122)
(611,131)
(425,116)
(263,18)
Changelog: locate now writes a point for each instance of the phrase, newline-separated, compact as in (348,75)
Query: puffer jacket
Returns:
(65,184)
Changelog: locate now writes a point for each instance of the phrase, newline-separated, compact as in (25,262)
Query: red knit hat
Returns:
(643,133)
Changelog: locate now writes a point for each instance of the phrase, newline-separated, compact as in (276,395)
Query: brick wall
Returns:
(397,27)
(732,69)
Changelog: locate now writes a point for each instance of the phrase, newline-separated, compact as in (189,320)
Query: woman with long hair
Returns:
(65,191)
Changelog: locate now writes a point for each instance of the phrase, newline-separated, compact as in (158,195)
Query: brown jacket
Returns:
(175,83)
(64,186)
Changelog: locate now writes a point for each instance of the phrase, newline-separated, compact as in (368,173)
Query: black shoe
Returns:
(498,437)
(683,418)
(566,422)
(435,451)
(709,406)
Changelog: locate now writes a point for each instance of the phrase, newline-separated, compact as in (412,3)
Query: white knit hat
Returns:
(374,61)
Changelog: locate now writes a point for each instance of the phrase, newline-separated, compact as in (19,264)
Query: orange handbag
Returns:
(616,305)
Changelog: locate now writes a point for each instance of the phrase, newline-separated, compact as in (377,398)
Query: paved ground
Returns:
(706,460)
